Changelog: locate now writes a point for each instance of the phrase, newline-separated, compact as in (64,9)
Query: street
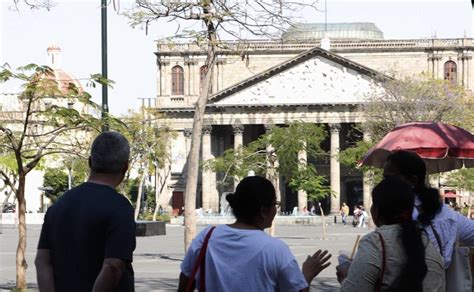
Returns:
(157,259)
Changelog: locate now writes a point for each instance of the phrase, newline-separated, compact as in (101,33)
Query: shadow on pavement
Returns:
(171,284)
(153,256)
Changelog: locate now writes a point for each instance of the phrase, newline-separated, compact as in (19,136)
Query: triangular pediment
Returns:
(314,77)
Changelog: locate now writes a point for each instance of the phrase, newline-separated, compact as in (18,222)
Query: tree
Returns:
(58,181)
(35,4)
(149,152)
(417,99)
(218,18)
(41,128)
(286,143)
(462,179)
(409,100)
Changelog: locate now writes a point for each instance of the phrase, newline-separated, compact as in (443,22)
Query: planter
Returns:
(150,228)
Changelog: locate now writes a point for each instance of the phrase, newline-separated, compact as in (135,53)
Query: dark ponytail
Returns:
(415,269)
(430,204)
(393,200)
(410,165)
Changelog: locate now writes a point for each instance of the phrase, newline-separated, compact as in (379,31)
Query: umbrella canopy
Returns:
(443,147)
(451,195)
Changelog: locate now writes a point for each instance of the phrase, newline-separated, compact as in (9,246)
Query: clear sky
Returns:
(75,27)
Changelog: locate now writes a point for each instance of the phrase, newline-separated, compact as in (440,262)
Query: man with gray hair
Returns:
(88,235)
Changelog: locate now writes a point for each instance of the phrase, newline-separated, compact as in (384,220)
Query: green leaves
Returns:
(98,78)
(308,180)
(352,155)
(462,179)
(285,143)
(50,119)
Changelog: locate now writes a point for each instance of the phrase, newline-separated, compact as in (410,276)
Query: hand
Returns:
(315,264)
(342,270)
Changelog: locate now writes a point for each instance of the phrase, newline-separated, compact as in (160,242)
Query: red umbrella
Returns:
(443,147)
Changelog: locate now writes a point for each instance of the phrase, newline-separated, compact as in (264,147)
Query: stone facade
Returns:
(268,82)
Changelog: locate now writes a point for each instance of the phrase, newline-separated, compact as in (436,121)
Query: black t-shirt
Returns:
(86,225)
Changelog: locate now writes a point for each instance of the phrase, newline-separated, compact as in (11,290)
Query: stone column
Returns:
(165,76)
(335,172)
(468,58)
(367,183)
(431,65)
(428,64)
(159,78)
(439,74)
(272,164)
(190,63)
(238,142)
(208,176)
(187,135)
(302,195)
(465,69)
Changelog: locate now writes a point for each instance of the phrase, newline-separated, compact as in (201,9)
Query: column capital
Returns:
(238,128)
(190,61)
(207,129)
(434,57)
(163,61)
(334,127)
(187,133)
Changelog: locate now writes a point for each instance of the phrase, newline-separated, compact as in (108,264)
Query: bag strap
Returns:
(378,285)
(199,264)
(438,240)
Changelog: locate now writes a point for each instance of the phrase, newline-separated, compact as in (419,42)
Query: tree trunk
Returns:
(69,178)
(157,193)
(302,195)
(323,221)
(21,264)
(140,191)
(193,156)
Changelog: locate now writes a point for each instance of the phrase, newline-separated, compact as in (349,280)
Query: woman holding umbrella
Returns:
(443,226)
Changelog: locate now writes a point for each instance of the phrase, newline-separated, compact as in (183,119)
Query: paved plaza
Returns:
(157,259)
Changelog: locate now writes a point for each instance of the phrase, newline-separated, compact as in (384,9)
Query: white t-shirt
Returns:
(245,260)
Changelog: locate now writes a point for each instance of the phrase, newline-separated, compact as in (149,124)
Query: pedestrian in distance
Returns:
(397,256)
(357,213)
(241,256)
(363,217)
(88,235)
(344,212)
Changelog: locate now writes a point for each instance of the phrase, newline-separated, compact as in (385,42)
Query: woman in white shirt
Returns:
(242,257)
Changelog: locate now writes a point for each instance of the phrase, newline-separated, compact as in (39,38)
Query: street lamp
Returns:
(105,106)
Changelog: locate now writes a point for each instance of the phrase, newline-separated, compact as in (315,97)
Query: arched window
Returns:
(202,76)
(177,80)
(450,72)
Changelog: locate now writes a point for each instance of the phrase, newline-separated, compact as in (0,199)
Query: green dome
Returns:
(341,31)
